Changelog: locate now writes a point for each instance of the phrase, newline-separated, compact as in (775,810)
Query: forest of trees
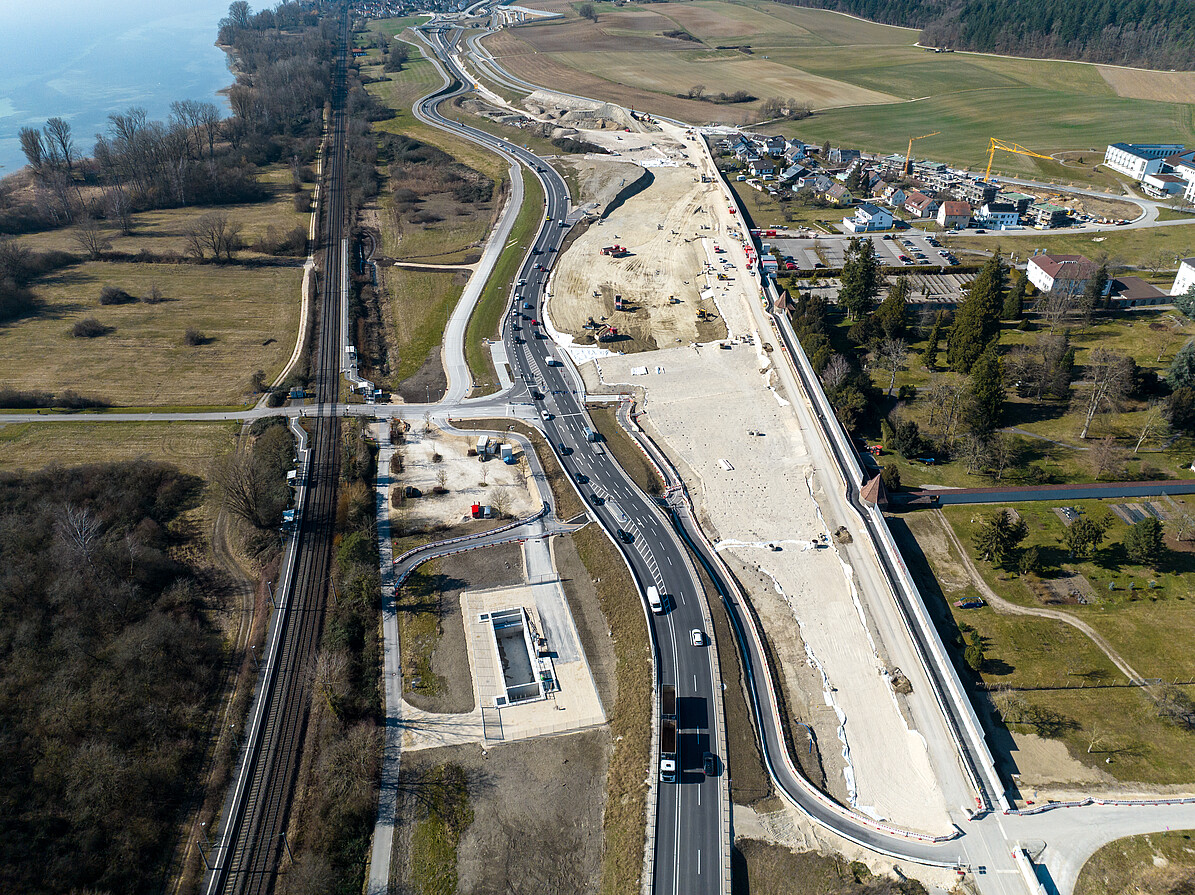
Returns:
(1151,33)
(108,668)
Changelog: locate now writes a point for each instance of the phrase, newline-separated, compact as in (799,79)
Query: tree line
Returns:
(108,667)
(1152,33)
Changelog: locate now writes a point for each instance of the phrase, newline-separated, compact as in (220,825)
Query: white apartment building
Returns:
(1139,159)
(1185,281)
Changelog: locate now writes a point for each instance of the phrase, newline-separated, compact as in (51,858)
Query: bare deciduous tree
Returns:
(216,232)
(835,372)
(892,354)
(79,530)
(1107,381)
(92,237)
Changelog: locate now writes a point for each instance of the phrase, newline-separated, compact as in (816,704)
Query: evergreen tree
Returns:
(987,394)
(998,538)
(860,278)
(1186,302)
(1182,368)
(1144,542)
(1093,292)
(1014,301)
(978,319)
(892,313)
(929,357)
(1083,536)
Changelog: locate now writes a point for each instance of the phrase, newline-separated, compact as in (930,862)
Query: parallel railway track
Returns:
(252,842)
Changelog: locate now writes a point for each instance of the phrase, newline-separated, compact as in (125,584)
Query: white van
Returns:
(653,600)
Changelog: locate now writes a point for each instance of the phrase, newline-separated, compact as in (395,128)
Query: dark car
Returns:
(519,340)
(580,478)
(625,536)
(595,500)
(564,449)
(537,395)
(709,764)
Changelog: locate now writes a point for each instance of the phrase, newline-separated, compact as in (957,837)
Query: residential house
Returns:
(1184,281)
(839,156)
(868,218)
(920,205)
(1134,292)
(818,184)
(895,197)
(839,195)
(775,146)
(796,150)
(1045,214)
(791,173)
(1139,159)
(926,170)
(746,154)
(954,215)
(762,168)
(998,216)
(1067,273)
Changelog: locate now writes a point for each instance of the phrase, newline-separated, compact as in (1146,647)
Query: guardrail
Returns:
(984,778)
(732,597)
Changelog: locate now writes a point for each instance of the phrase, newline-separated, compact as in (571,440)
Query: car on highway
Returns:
(564,449)
(625,536)
(696,638)
(536,395)
(709,764)
(595,499)
(547,415)
(580,478)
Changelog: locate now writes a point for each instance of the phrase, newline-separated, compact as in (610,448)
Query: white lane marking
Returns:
(699,862)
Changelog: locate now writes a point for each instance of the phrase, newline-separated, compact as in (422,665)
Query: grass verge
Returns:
(1155,864)
(438,832)
(624,449)
(422,301)
(483,323)
(625,819)
(191,446)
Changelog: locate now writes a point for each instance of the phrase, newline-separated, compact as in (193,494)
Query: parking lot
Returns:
(907,249)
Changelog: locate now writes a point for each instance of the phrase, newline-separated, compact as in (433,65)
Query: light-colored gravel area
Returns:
(749,470)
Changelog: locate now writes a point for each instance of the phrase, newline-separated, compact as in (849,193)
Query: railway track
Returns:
(253,844)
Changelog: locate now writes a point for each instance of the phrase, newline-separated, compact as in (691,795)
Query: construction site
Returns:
(655,296)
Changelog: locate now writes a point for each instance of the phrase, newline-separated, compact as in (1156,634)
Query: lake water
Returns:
(84,59)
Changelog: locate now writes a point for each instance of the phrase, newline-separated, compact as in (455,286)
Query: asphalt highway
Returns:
(692,837)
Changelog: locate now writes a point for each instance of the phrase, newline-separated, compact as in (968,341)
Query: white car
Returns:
(547,415)
(697,637)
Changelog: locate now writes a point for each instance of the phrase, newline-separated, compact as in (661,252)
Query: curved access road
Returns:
(691,848)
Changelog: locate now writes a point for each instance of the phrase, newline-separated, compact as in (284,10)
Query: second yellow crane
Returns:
(1010,147)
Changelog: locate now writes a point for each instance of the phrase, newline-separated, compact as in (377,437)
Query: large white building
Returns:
(1185,281)
(1067,273)
(1139,159)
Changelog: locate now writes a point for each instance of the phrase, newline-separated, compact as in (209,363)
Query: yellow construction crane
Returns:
(1010,147)
(909,153)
